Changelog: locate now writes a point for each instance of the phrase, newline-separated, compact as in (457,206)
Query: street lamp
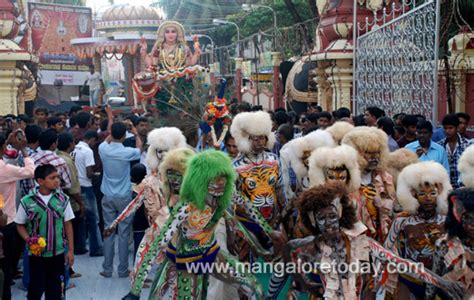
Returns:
(249,7)
(212,44)
(224,22)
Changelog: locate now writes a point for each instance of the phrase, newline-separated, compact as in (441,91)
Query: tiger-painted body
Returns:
(258,181)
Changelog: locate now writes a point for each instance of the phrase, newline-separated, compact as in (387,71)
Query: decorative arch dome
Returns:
(129,17)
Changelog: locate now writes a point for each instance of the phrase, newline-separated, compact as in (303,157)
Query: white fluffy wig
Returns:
(339,129)
(251,123)
(466,167)
(416,175)
(165,139)
(292,153)
(364,139)
(340,156)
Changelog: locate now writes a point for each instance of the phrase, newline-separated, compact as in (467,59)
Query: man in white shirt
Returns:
(84,160)
(94,80)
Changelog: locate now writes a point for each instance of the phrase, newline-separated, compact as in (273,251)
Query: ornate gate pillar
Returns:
(324,86)
(340,79)
(276,61)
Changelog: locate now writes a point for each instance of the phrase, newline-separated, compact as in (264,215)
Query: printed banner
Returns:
(52,28)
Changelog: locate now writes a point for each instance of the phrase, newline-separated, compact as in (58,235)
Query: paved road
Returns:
(91,286)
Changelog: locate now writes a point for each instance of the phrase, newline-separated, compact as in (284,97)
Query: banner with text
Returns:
(52,28)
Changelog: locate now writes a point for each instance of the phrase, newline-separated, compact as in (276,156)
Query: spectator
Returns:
(386,124)
(463,123)
(72,113)
(397,119)
(343,112)
(84,160)
(116,187)
(94,80)
(230,146)
(143,127)
(314,108)
(84,122)
(3,223)
(244,107)
(454,144)
(23,121)
(311,120)
(41,117)
(359,120)
(372,114)
(285,134)
(399,131)
(324,119)
(32,134)
(8,177)
(279,118)
(56,123)
(63,117)
(48,143)
(65,147)
(46,269)
(425,148)
(409,123)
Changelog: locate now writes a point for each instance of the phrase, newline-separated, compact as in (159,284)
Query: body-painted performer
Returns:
(338,239)
(160,140)
(188,237)
(217,117)
(422,191)
(295,154)
(259,180)
(454,255)
(466,167)
(326,165)
(377,192)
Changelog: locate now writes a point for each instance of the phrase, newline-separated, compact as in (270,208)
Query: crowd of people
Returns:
(281,187)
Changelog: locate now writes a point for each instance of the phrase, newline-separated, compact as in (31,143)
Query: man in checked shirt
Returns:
(47,155)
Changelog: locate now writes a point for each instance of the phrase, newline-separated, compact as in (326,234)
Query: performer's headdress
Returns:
(293,152)
(460,202)
(251,123)
(466,167)
(334,158)
(339,129)
(364,139)
(202,168)
(160,36)
(414,176)
(175,159)
(165,139)
(399,159)
(321,196)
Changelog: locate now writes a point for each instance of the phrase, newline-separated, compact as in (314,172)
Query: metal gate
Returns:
(396,64)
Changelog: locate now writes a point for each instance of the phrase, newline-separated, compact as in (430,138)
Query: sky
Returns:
(102,4)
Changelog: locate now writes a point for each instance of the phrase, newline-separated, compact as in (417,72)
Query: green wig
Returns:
(202,168)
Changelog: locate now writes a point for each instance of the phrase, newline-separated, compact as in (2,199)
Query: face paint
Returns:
(327,220)
(468,223)
(336,175)
(427,196)
(258,143)
(160,153)
(175,179)
(216,186)
(373,159)
(305,158)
